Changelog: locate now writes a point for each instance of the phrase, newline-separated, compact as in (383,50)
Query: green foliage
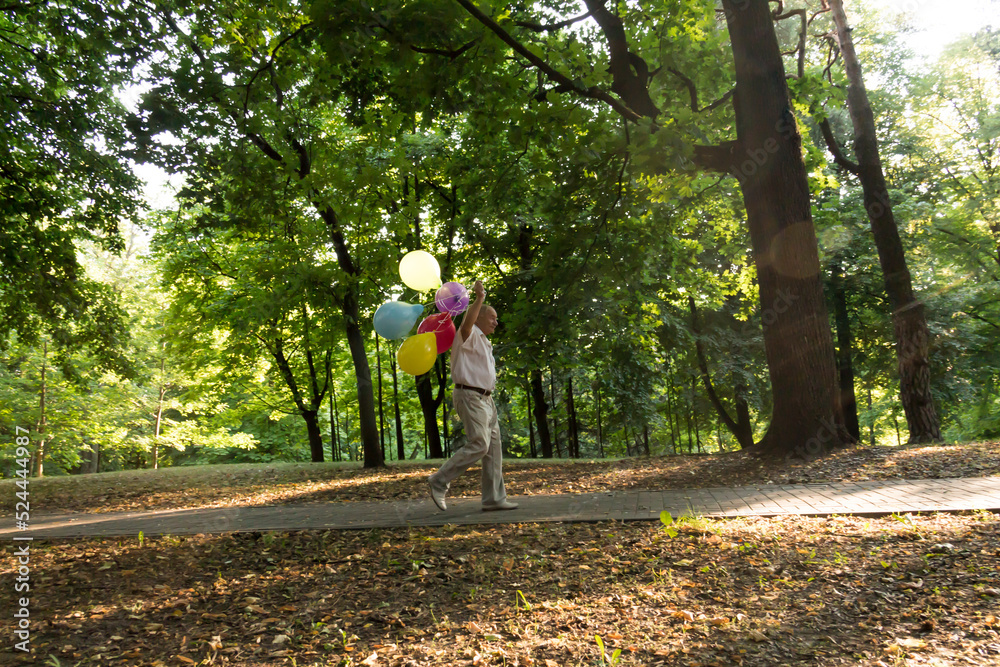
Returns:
(406,125)
(63,168)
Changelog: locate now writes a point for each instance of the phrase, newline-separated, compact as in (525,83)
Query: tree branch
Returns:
(552,26)
(834,148)
(630,86)
(454,53)
(593,92)
(802,36)
(689,84)
(706,377)
(720,101)
(721,158)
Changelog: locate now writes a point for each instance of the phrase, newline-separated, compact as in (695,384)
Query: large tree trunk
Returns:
(312,429)
(285,368)
(428,406)
(909,322)
(742,415)
(845,366)
(356,341)
(541,413)
(366,398)
(797,341)
(767,160)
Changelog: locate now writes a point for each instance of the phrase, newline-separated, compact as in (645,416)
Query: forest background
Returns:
(317,142)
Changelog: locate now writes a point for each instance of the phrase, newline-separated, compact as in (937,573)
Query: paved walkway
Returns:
(859,498)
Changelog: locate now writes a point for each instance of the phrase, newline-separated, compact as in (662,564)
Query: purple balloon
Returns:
(452,298)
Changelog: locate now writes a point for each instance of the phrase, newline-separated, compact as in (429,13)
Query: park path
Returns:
(856,498)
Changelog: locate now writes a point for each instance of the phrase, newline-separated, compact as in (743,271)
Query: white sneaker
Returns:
(505,505)
(437,493)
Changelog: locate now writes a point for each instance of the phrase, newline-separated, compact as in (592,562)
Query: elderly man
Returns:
(474,373)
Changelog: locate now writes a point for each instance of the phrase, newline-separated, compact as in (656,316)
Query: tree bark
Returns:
(334,426)
(845,365)
(285,369)
(600,430)
(400,448)
(40,427)
(767,160)
(531,425)
(366,399)
(381,409)
(670,419)
(159,417)
(574,434)
(797,340)
(441,371)
(555,419)
(428,407)
(909,320)
(541,413)
(742,413)
(312,429)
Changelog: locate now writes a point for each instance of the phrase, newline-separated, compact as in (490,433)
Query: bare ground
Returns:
(901,590)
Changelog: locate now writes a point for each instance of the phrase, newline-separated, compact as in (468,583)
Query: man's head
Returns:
(487,320)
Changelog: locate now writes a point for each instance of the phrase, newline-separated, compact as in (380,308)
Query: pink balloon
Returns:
(452,298)
(442,327)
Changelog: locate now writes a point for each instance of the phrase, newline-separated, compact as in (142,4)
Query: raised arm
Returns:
(472,314)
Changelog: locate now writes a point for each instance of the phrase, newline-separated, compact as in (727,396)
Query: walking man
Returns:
(474,373)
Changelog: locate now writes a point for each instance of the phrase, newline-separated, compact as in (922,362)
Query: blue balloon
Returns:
(394,319)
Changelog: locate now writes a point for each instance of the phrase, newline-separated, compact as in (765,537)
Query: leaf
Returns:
(912,642)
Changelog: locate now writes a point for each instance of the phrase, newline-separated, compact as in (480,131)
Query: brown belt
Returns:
(484,392)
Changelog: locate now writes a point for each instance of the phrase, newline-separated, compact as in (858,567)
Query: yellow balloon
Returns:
(417,354)
(420,271)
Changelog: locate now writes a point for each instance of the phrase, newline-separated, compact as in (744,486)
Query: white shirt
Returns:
(472,360)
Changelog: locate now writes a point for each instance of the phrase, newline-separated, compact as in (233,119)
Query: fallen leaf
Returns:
(912,642)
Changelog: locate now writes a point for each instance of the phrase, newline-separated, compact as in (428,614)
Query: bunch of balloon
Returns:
(395,319)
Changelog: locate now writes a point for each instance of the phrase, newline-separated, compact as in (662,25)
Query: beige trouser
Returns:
(479,416)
